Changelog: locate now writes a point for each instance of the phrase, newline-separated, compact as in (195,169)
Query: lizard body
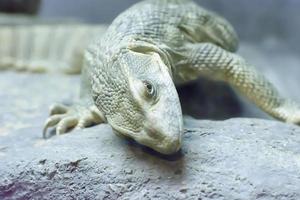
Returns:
(130,72)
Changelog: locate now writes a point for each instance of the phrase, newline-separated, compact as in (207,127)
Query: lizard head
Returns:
(136,93)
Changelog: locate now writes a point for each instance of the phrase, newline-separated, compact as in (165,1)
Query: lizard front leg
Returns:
(212,61)
(82,114)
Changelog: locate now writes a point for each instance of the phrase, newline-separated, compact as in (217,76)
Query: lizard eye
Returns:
(150,89)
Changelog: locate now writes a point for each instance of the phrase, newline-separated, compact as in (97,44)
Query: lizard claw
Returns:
(76,116)
(51,121)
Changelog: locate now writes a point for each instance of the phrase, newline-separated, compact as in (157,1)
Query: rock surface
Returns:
(232,159)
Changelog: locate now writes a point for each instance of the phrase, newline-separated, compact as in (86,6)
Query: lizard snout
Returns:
(165,141)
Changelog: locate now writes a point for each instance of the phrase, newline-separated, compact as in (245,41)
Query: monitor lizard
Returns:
(129,73)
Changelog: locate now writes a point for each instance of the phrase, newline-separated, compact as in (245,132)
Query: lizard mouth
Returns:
(156,141)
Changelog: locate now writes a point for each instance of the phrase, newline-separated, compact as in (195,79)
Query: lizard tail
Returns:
(45,47)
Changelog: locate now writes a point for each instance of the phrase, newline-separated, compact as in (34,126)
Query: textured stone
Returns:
(233,159)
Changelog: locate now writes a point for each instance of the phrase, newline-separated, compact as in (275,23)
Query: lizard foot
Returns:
(77,116)
(290,112)
(30,68)
(295,119)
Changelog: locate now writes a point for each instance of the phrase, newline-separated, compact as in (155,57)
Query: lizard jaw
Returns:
(160,142)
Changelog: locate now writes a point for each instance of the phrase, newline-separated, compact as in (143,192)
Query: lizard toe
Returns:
(58,109)
(51,121)
(294,118)
(76,116)
(85,121)
(297,119)
(98,116)
(93,117)
(36,69)
(294,113)
(65,124)
(20,66)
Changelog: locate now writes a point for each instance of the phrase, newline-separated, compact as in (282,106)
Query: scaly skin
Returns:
(130,73)
(34,45)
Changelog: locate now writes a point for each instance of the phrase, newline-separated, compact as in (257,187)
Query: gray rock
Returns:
(233,159)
